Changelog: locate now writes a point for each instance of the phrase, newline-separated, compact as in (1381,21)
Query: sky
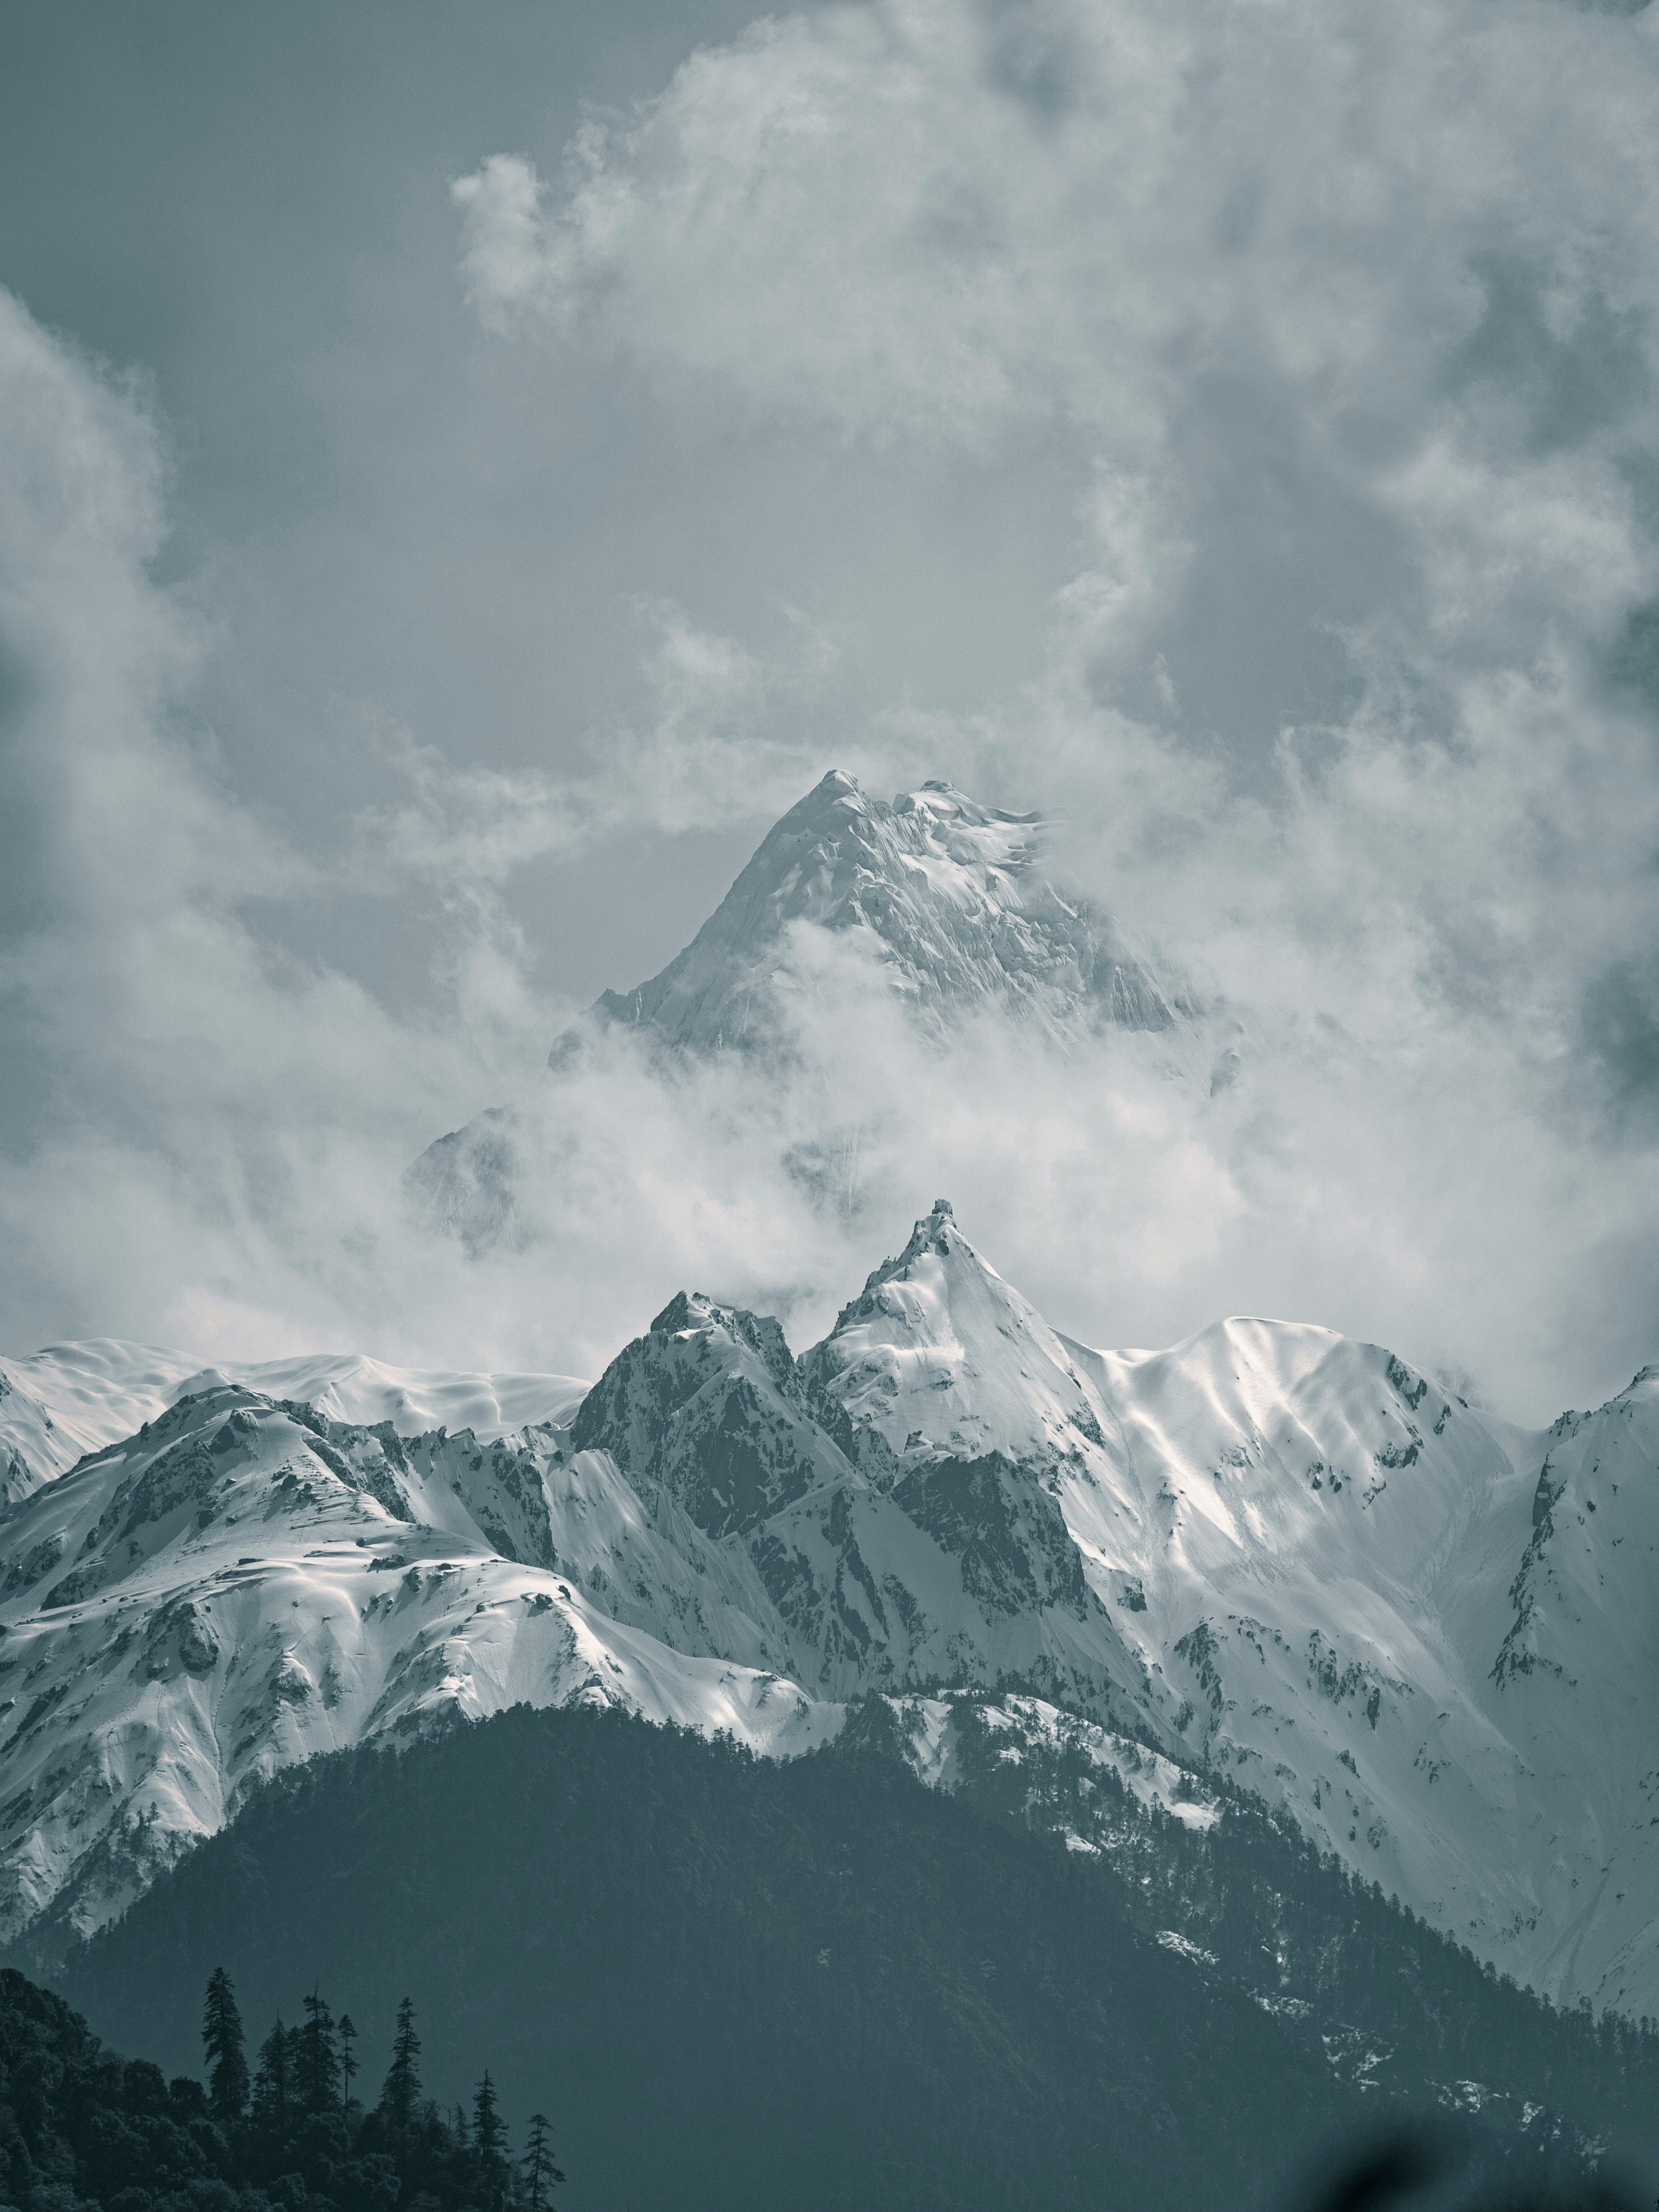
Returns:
(464,473)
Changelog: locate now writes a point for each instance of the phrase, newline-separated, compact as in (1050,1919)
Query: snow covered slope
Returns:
(1270,1551)
(1337,1561)
(944,904)
(71,1398)
(859,1576)
(243,1585)
(947,896)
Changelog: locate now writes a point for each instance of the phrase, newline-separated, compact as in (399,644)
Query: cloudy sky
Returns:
(464,472)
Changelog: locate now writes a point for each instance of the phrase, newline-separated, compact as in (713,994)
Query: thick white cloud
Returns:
(1409,242)
(205,1137)
(1344,320)
(188,1108)
(1347,316)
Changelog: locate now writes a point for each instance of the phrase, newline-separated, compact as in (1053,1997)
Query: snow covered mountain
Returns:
(72,1400)
(243,1585)
(945,905)
(1270,1553)
(949,899)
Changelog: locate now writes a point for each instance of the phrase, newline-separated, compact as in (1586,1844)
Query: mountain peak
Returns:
(938,1355)
(933,1233)
(947,896)
(932,902)
(707,1407)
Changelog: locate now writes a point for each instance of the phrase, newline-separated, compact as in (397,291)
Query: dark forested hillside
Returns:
(736,1983)
(1399,2004)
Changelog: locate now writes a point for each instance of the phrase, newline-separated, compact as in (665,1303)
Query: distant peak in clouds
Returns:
(930,905)
(948,897)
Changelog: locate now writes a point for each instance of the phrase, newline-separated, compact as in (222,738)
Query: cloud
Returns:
(1348,320)
(501,210)
(188,1101)
(729,737)
(1355,306)
(1344,324)
(204,1137)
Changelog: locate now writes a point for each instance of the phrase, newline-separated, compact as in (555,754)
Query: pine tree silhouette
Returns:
(104,2134)
(541,2176)
(318,2083)
(400,2096)
(273,2084)
(489,2144)
(222,2040)
(348,2034)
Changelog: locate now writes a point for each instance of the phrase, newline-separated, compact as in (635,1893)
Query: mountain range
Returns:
(1270,1553)
(1270,1558)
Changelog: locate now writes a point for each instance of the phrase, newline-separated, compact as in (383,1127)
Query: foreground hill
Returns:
(741,1983)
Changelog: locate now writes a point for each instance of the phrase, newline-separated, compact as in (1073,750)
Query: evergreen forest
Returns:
(1400,2005)
(741,1984)
(81,2127)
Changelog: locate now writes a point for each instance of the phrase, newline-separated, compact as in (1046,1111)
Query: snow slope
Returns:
(72,1399)
(1269,1552)
(949,898)
(241,1585)
(946,905)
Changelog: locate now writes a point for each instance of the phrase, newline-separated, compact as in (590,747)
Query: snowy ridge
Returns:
(958,1570)
(938,1354)
(1028,1729)
(71,1399)
(1270,1553)
(243,1585)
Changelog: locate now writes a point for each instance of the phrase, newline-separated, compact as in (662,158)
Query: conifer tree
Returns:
(541,2176)
(400,2096)
(273,2084)
(318,2082)
(222,2040)
(489,2143)
(348,2033)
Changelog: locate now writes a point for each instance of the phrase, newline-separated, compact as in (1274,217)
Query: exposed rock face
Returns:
(1269,1552)
(709,1407)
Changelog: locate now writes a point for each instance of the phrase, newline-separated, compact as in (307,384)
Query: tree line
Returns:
(297,2118)
(82,2128)
(1281,1917)
(816,1983)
